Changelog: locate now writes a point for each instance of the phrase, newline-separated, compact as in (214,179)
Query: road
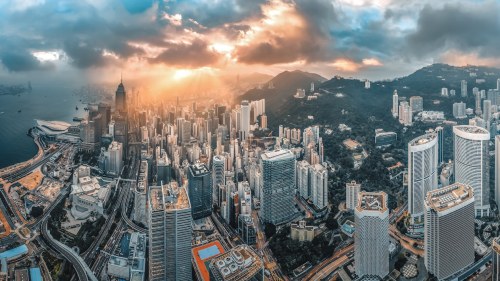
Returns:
(329,265)
(82,270)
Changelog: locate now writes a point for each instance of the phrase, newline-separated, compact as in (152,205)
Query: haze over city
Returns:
(245,140)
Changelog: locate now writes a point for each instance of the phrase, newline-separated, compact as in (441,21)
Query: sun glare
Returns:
(182,73)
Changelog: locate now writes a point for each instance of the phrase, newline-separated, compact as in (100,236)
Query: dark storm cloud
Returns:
(21,61)
(190,55)
(82,31)
(470,27)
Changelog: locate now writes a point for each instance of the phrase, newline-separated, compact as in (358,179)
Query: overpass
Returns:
(82,269)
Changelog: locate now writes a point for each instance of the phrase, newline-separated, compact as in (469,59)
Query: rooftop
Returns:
(423,139)
(241,263)
(372,201)
(277,154)
(471,129)
(199,169)
(169,197)
(204,253)
(449,196)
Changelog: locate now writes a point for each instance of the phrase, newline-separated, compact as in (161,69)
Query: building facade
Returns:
(200,190)
(449,230)
(371,218)
(472,165)
(278,186)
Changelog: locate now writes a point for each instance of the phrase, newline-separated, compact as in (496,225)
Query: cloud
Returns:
(21,61)
(188,55)
(468,27)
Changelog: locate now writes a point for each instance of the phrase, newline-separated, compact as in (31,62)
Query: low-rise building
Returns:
(239,264)
(87,194)
(302,232)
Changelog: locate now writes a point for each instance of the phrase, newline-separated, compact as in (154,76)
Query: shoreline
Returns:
(13,168)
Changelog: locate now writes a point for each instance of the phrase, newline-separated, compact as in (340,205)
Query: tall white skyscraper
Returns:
(463,88)
(477,96)
(371,238)
(352,190)
(395,104)
(498,84)
(218,177)
(169,233)
(422,176)
(319,185)
(245,120)
(471,149)
(495,247)
(459,110)
(278,186)
(497,169)
(302,172)
(486,110)
(449,230)
(405,114)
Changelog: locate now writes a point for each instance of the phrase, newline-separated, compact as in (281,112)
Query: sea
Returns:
(18,112)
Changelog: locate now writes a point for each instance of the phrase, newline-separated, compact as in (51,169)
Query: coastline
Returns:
(12,168)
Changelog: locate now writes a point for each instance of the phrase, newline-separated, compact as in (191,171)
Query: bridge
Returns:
(82,269)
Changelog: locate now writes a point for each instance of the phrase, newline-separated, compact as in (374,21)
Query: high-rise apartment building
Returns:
(278,186)
(319,185)
(302,172)
(200,190)
(449,230)
(371,238)
(422,177)
(395,104)
(170,233)
(352,190)
(486,110)
(459,110)
(440,135)
(471,149)
(245,120)
(463,88)
(416,104)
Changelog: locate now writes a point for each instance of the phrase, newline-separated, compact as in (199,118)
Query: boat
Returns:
(77,119)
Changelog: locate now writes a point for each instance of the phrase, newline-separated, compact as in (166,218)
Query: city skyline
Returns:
(240,140)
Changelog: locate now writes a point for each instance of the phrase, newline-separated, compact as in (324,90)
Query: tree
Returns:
(269,230)
(36,211)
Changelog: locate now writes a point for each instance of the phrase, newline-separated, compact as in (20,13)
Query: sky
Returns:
(159,40)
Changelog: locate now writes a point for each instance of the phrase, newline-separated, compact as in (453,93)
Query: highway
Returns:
(329,265)
(82,270)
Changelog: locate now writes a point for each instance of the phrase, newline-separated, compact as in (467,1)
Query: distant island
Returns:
(14,89)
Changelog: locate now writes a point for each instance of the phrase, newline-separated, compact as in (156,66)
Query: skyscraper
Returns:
(352,191)
(302,181)
(422,176)
(120,98)
(319,185)
(459,110)
(478,102)
(218,177)
(497,169)
(416,104)
(471,149)
(449,230)
(200,190)
(440,135)
(371,238)
(395,104)
(278,186)
(169,233)
(495,247)
(463,88)
(245,120)
(486,110)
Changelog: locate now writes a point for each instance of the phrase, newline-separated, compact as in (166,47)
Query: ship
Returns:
(77,119)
